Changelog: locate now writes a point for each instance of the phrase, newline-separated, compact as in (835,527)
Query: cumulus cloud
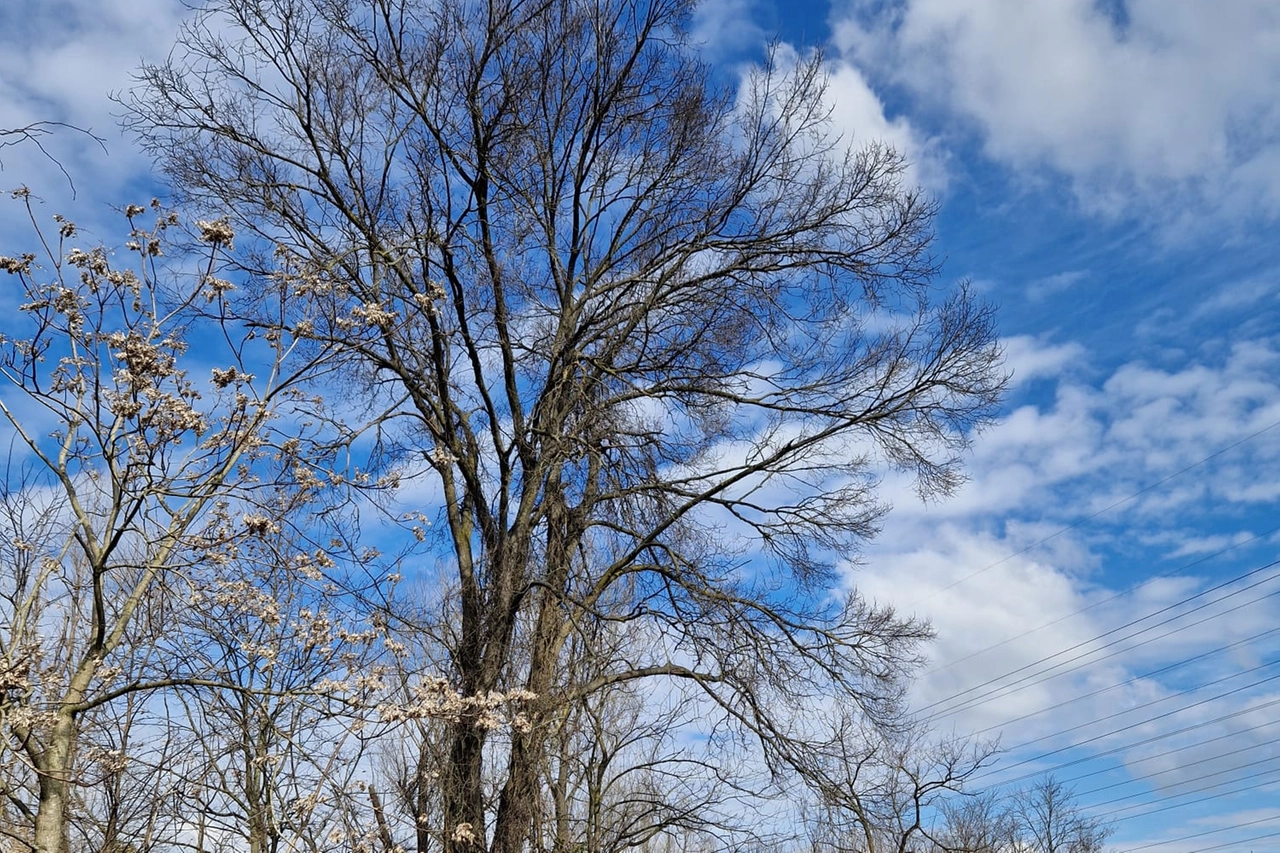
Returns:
(727,28)
(1080,583)
(1141,101)
(859,115)
(1029,358)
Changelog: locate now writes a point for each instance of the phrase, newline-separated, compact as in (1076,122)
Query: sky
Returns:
(1102,587)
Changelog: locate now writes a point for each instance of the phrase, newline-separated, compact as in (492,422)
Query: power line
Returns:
(1162,754)
(1031,681)
(1251,787)
(1114,750)
(1056,670)
(976,700)
(1167,698)
(1037,672)
(1167,752)
(1235,843)
(1150,776)
(1253,779)
(1172,712)
(1001,686)
(1168,573)
(1133,679)
(1151,844)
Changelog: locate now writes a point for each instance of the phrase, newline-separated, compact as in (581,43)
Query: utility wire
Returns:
(1184,748)
(1222,787)
(1121,748)
(1154,702)
(1253,779)
(1170,806)
(1053,771)
(1042,675)
(1151,844)
(1150,776)
(1168,573)
(1032,681)
(1133,679)
(1235,843)
(972,701)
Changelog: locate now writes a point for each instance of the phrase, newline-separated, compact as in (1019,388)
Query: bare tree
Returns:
(624,771)
(1049,820)
(885,792)
(126,456)
(650,341)
(274,751)
(979,823)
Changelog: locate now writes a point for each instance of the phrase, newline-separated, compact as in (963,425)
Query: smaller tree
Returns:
(884,789)
(1042,818)
(622,776)
(273,752)
(119,455)
(978,823)
(1048,819)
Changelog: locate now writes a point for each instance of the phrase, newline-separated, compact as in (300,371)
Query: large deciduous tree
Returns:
(650,339)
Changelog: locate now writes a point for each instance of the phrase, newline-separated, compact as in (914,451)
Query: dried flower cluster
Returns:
(218,232)
(435,699)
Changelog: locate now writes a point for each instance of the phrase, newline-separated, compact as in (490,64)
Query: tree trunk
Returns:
(463,789)
(518,806)
(55,785)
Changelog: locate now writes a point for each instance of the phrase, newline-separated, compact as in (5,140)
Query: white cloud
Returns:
(725,28)
(59,62)
(1159,440)
(1018,577)
(1173,102)
(1028,358)
(859,115)
(1052,285)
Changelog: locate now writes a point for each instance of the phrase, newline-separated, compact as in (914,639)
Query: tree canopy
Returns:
(634,344)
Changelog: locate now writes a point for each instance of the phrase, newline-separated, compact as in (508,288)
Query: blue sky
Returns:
(1109,174)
